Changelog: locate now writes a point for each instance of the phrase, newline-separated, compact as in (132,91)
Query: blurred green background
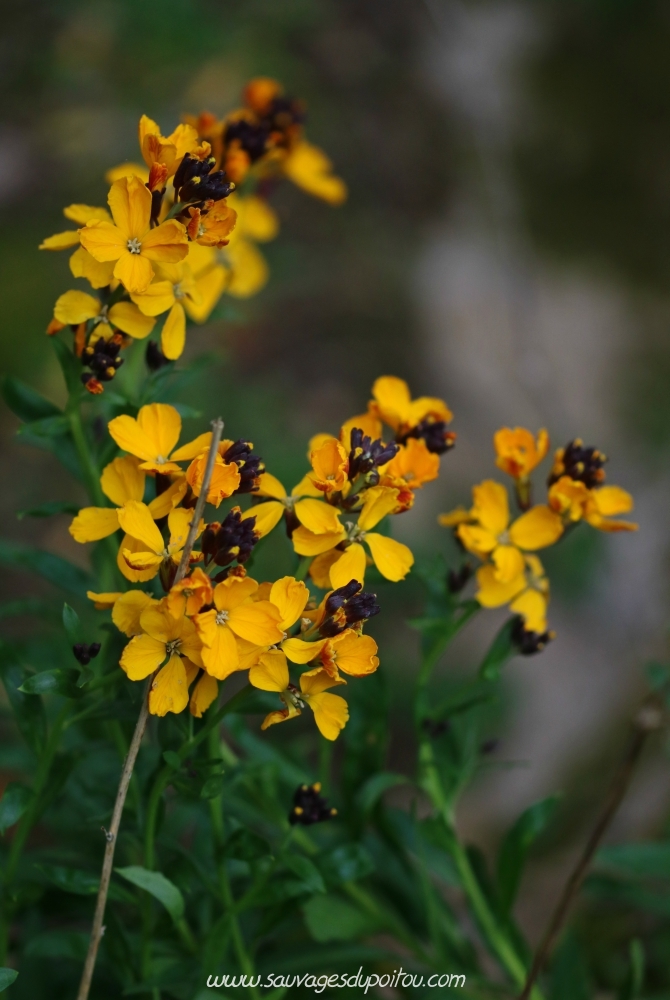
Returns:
(505,245)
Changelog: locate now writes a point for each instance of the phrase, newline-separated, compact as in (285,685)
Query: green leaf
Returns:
(7,977)
(70,366)
(632,987)
(515,846)
(306,871)
(172,759)
(71,624)
(60,445)
(331,918)
(647,859)
(212,787)
(48,427)
(58,944)
(13,804)
(373,789)
(569,975)
(245,845)
(500,651)
(57,681)
(71,879)
(345,864)
(27,404)
(160,887)
(28,711)
(53,568)
(49,508)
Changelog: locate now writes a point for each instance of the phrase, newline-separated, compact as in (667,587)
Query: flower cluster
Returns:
(189,634)
(511,573)
(181,228)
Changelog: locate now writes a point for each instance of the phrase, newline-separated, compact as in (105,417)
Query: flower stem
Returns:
(647,720)
(126,774)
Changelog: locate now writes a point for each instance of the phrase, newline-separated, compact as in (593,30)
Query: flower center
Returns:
(134,245)
(160,460)
(503,538)
(172,646)
(178,292)
(221,617)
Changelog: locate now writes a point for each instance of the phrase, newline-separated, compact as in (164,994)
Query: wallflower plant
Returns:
(177,628)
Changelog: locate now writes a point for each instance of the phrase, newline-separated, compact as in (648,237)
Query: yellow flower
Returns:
(189,595)
(394,405)
(518,452)
(317,516)
(168,151)
(331,712)
(77,307)
(413,465)
(491,535)
(82,264)
(349,651)
(175,286)
(163,638)
(152,437)
(212,228)
(393,559)
(225,479)
(152,552)
(127,611)
(310,169)
(574,501)
(235,614)
(527,594)
(330,466)
(129,240)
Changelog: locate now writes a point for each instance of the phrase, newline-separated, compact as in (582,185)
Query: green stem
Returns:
(303,567)
(431,658)
(218,826)
(386,918)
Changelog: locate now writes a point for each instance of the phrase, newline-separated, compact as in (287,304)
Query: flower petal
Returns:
(161,424)
(611,500)
(350,566)
(331,714)
(317,516)
(271,672)
(123,480)
(355,654)
(306,543)
(132,547)
(127,610)
(136,520)
(173,334)
(93,523)
(532,606)
(130,202)
(60,241)
(103,240)
(204,694)
(233,591)
(537,528)
(157,299)
(492,593)
(491,506)
(142,656)
(127,317)
(257,622)
(508,562)
(167,243)
(76,307)
(169,689)
(134,271)
(84,265)
(289,596)
(219,651)
(393,559)
(379,501)
(159,624)
(267,515)
(299,651)
(269,486)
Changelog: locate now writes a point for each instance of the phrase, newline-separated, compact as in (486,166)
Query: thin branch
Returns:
(648,719)
(98,930)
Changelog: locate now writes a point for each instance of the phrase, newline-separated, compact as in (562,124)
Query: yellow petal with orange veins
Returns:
(132,547)
(282,715)
(476,539)
(350,566)
(269,486)
(379,501)
(103,240)
(204,694)
(161,505)
(128,318)
(393,559)
(157,299)
(81,214)
(249,269)
(331,714)
(161,424)
(60,241)
(220,657)
(355,654)
(173,334)
(142,560)
(317,516)
(169,689)
(536,529)
(271,672)
(84,265)
(491,506)
(167,243)
(93,523)
(320,568)
(142,656)
(492,593)
(306,543)
(102,602)
(611,500)
(267,515)
(299,651)
(233,591)
(455,517)
(127,610)
(532,606)
(134,271)
(289,596)
(257,622)
(76,307)
(123,480)
(136,520)
(509,563)
(130,203)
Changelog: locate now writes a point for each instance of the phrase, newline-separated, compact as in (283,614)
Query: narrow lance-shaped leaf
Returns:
(7,977)
(13,804)
(500,651)
(515,846)
(27,404)
(160,887)
(53,568)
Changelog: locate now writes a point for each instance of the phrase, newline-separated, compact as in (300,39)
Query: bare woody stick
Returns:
(648,719)
(98,930)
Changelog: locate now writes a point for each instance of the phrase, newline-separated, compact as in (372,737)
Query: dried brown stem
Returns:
(98,929)
(647,720)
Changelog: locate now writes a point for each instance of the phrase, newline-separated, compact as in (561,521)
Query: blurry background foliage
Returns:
(591,172)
